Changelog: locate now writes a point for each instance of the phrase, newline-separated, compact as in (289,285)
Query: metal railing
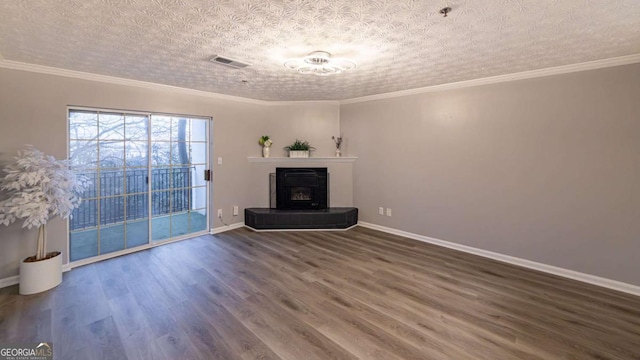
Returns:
(170,192)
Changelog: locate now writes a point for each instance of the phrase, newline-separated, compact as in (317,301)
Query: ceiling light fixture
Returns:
(320,63)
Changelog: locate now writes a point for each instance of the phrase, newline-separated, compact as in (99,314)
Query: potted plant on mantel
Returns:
(266,143)
(299,149)
(37,188)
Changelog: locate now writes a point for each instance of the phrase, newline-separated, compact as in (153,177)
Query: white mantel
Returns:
(342,159)
(340,184)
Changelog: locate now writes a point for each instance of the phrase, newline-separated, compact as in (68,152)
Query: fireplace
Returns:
(299,199)
(301,188)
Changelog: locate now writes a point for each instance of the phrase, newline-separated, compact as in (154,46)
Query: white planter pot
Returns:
(39,276)
(298,154)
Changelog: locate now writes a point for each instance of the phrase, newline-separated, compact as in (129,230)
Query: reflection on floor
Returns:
(84,244)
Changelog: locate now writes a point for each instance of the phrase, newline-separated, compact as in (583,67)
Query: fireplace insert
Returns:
(302,188)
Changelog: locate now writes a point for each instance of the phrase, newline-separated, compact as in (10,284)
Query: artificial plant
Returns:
(37,187)
(299,145)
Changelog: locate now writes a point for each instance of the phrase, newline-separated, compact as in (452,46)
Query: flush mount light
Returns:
(320,63)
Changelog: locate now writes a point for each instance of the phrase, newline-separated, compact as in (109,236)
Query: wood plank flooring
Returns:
(359,294)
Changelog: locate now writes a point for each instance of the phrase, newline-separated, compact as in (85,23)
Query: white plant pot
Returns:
(298,154)
(39,276)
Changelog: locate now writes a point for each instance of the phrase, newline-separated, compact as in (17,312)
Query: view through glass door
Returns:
(178,191)
(147,180)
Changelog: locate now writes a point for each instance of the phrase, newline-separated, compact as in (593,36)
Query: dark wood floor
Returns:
(359,294)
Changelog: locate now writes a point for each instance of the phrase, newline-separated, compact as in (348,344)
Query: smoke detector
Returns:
(216,59)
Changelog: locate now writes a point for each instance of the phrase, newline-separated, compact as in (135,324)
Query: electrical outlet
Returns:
(219,213)
(381,211)
(388,212)
(235,210)
(219,161)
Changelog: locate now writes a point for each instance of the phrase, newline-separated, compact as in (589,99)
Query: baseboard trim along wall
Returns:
(222,229)
(575,275)
(9,281)
(13,280)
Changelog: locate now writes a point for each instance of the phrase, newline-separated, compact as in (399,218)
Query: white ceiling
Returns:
(398,44)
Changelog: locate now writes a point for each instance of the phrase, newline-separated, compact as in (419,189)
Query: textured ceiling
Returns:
(398,45)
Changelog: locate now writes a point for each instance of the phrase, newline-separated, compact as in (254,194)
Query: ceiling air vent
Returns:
(228,62)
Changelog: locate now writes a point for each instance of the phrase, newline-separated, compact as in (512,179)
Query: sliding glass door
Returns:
(147,179)
(178,163)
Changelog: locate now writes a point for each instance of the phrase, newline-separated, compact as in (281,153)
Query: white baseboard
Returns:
(222,229)
(9,281)
(13,280)
(285,230)
(571,274)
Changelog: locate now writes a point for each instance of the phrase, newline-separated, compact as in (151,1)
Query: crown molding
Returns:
(564,69)
(16,65)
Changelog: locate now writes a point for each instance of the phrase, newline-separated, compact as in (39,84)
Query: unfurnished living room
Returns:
(394,179)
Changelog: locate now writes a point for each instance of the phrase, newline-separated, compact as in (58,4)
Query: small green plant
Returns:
(265,141)
(299,145)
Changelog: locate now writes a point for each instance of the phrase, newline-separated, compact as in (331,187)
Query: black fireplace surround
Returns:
(301,203)
(301,188)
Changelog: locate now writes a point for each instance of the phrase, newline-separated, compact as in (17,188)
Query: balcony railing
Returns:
(170,193)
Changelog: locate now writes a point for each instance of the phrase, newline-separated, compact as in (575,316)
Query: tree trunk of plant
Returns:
(182,144)
(41,251)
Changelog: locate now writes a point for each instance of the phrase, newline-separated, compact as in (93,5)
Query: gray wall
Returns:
(545,169)
(33,111)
